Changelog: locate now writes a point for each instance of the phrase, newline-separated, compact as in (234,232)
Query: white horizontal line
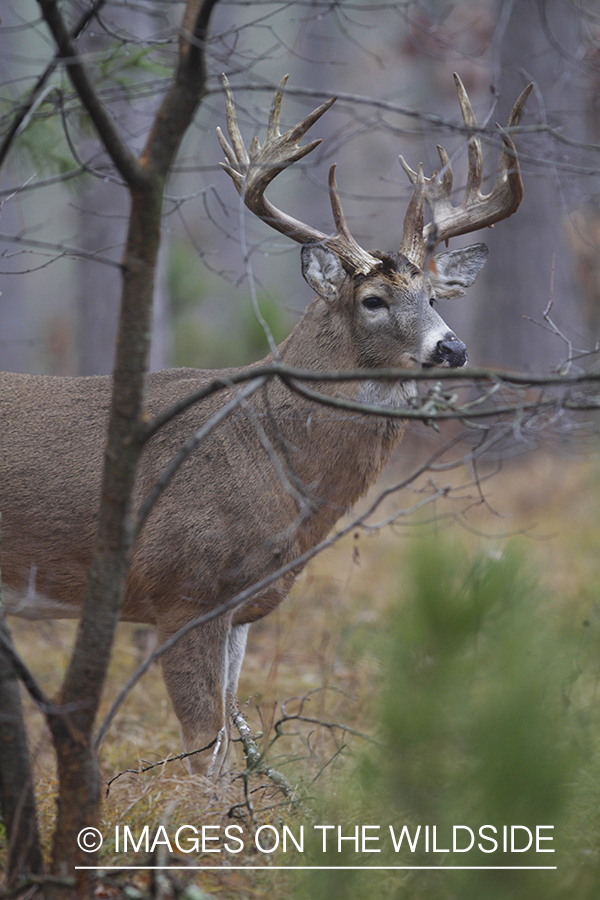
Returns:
(326,868)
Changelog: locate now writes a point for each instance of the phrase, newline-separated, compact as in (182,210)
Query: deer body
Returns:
(335,456)
(229,516)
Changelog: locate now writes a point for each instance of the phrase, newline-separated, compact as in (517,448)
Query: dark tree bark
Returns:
(72,729)
(17,801)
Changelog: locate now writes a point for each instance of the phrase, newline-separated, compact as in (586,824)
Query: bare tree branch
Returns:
(119,152)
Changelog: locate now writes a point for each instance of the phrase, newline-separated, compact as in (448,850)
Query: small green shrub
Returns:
(487,718)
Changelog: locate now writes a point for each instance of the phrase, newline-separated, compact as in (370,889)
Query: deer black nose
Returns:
(452,352)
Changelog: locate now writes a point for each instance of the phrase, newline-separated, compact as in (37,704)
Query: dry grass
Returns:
(324,639)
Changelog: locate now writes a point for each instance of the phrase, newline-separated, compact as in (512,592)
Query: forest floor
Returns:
(324,656)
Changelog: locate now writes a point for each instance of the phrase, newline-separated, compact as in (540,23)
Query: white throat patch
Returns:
(383,393)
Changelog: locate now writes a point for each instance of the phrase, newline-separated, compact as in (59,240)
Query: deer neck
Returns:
(335,453)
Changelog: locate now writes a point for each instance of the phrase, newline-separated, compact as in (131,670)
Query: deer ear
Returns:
(456,270)
(322,270)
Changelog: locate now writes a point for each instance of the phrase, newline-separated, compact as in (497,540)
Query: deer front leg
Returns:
(195,671)
(236,649)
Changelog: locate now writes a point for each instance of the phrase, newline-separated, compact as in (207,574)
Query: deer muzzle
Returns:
(451,352)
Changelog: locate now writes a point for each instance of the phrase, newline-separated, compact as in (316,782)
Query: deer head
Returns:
(387,297)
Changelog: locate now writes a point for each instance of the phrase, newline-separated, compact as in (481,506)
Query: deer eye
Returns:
(373,303)
(432,301)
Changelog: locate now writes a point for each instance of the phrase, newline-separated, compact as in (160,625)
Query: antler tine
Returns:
(349,251)
(508,164)
(477,210)
(238,150)
(341,226)
(475,170)
(252,171)
(412,245)
(447,175)
(275,111)
(514,120)
(412,175)
(293,134)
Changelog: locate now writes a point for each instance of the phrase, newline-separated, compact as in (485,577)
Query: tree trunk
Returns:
(73,732)
(72,727)
(17,802)
(530,258)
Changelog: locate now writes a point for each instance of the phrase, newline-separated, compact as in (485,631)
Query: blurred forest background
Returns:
(473,659)
(58,315)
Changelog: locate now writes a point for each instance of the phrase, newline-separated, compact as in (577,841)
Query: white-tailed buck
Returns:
(271,481)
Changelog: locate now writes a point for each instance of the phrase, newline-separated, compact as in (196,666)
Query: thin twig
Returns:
(161,762)
(291,376)
(255,763)
(33,688)
(123,158)
(26,108)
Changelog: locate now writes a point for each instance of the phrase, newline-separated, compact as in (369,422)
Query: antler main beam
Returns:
(477,210)
(254,169)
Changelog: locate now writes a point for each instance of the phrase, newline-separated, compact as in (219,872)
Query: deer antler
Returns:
(477,210)
(253,170)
